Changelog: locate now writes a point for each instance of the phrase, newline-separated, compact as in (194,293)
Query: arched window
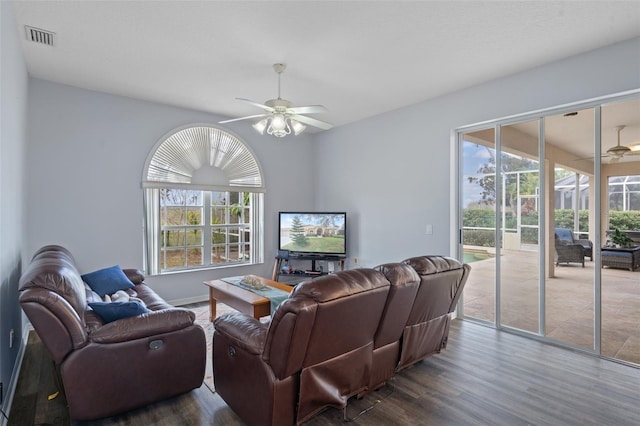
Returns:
(203,196)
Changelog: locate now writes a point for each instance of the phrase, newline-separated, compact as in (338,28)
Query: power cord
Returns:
(345,416)
(3,413)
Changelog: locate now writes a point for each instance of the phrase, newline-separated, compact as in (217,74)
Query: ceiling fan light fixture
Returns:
(261,125)
(278,126)
(297,127)
(278,122)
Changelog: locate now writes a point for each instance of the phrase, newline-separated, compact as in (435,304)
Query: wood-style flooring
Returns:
(484,377)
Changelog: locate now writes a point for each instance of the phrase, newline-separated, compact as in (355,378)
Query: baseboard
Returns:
(188,300)
(10,391)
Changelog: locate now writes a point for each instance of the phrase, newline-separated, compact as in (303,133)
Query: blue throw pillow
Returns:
(113,311)
(107,280)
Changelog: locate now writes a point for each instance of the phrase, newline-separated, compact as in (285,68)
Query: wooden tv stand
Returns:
(295,278)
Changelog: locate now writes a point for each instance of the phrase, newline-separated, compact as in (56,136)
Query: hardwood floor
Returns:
(484,377)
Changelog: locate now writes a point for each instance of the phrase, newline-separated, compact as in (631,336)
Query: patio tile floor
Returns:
(569,302)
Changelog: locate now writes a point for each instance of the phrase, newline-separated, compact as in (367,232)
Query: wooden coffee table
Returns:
(240,299)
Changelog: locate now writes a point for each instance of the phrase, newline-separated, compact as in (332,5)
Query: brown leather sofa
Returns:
(404,284)
(315,352)
(334,337)
(109,368)
(442,280)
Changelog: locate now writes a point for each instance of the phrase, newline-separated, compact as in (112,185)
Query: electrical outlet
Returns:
(355,260)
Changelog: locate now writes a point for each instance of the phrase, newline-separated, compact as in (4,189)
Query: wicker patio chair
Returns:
(565,234)
(569,252)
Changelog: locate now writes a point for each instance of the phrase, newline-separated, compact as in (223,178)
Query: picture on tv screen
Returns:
(314,233)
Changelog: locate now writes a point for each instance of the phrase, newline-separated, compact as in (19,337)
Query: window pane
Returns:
(234,235)
(194,216)
(218,236)
(218,198)
(194,237)
(235,214)
(218,254)
(234,251)
(173,237)
(246,252)
(175,258)
(174,216)
(194,257)
(217,216)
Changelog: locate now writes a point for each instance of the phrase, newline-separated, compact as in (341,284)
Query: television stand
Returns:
(297,276)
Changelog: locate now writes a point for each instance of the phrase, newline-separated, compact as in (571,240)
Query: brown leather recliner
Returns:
(316,351)
(110,368)
(442,280)
(386,345)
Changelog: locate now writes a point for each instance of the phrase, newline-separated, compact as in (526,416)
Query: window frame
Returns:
(212,147)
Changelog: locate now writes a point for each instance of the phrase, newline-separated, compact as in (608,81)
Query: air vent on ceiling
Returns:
(38,35)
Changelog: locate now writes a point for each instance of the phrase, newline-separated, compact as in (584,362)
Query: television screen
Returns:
(313,233)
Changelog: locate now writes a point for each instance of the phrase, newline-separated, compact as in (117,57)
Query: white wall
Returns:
(86,154)
(13,139)
(391,173)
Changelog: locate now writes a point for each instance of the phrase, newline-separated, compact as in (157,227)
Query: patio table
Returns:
(623,257)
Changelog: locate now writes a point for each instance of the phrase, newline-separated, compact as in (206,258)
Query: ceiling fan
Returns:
(615,153)
(280,117)
(618,151)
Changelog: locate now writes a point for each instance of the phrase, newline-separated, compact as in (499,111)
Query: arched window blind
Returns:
(180,155)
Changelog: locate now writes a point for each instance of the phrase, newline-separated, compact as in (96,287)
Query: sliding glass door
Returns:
(520,211)
(570,284)
(478,232)
(620,177)
(534,231)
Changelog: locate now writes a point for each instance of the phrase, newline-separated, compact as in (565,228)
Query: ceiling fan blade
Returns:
(312,122)
(263,106)
(242,118)
(309,109)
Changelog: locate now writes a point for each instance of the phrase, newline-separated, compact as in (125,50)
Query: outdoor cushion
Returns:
(614,253)
(564,234)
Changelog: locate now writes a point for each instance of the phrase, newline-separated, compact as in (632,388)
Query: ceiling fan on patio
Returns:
(281,117)
(619,151)
(615,153)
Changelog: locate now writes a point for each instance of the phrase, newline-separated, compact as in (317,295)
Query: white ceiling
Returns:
(358,58)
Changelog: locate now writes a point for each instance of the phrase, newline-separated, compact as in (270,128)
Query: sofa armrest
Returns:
(145,325)
(135,275)
(246,332)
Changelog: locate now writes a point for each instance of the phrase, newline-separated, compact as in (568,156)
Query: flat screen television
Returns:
(313,233)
